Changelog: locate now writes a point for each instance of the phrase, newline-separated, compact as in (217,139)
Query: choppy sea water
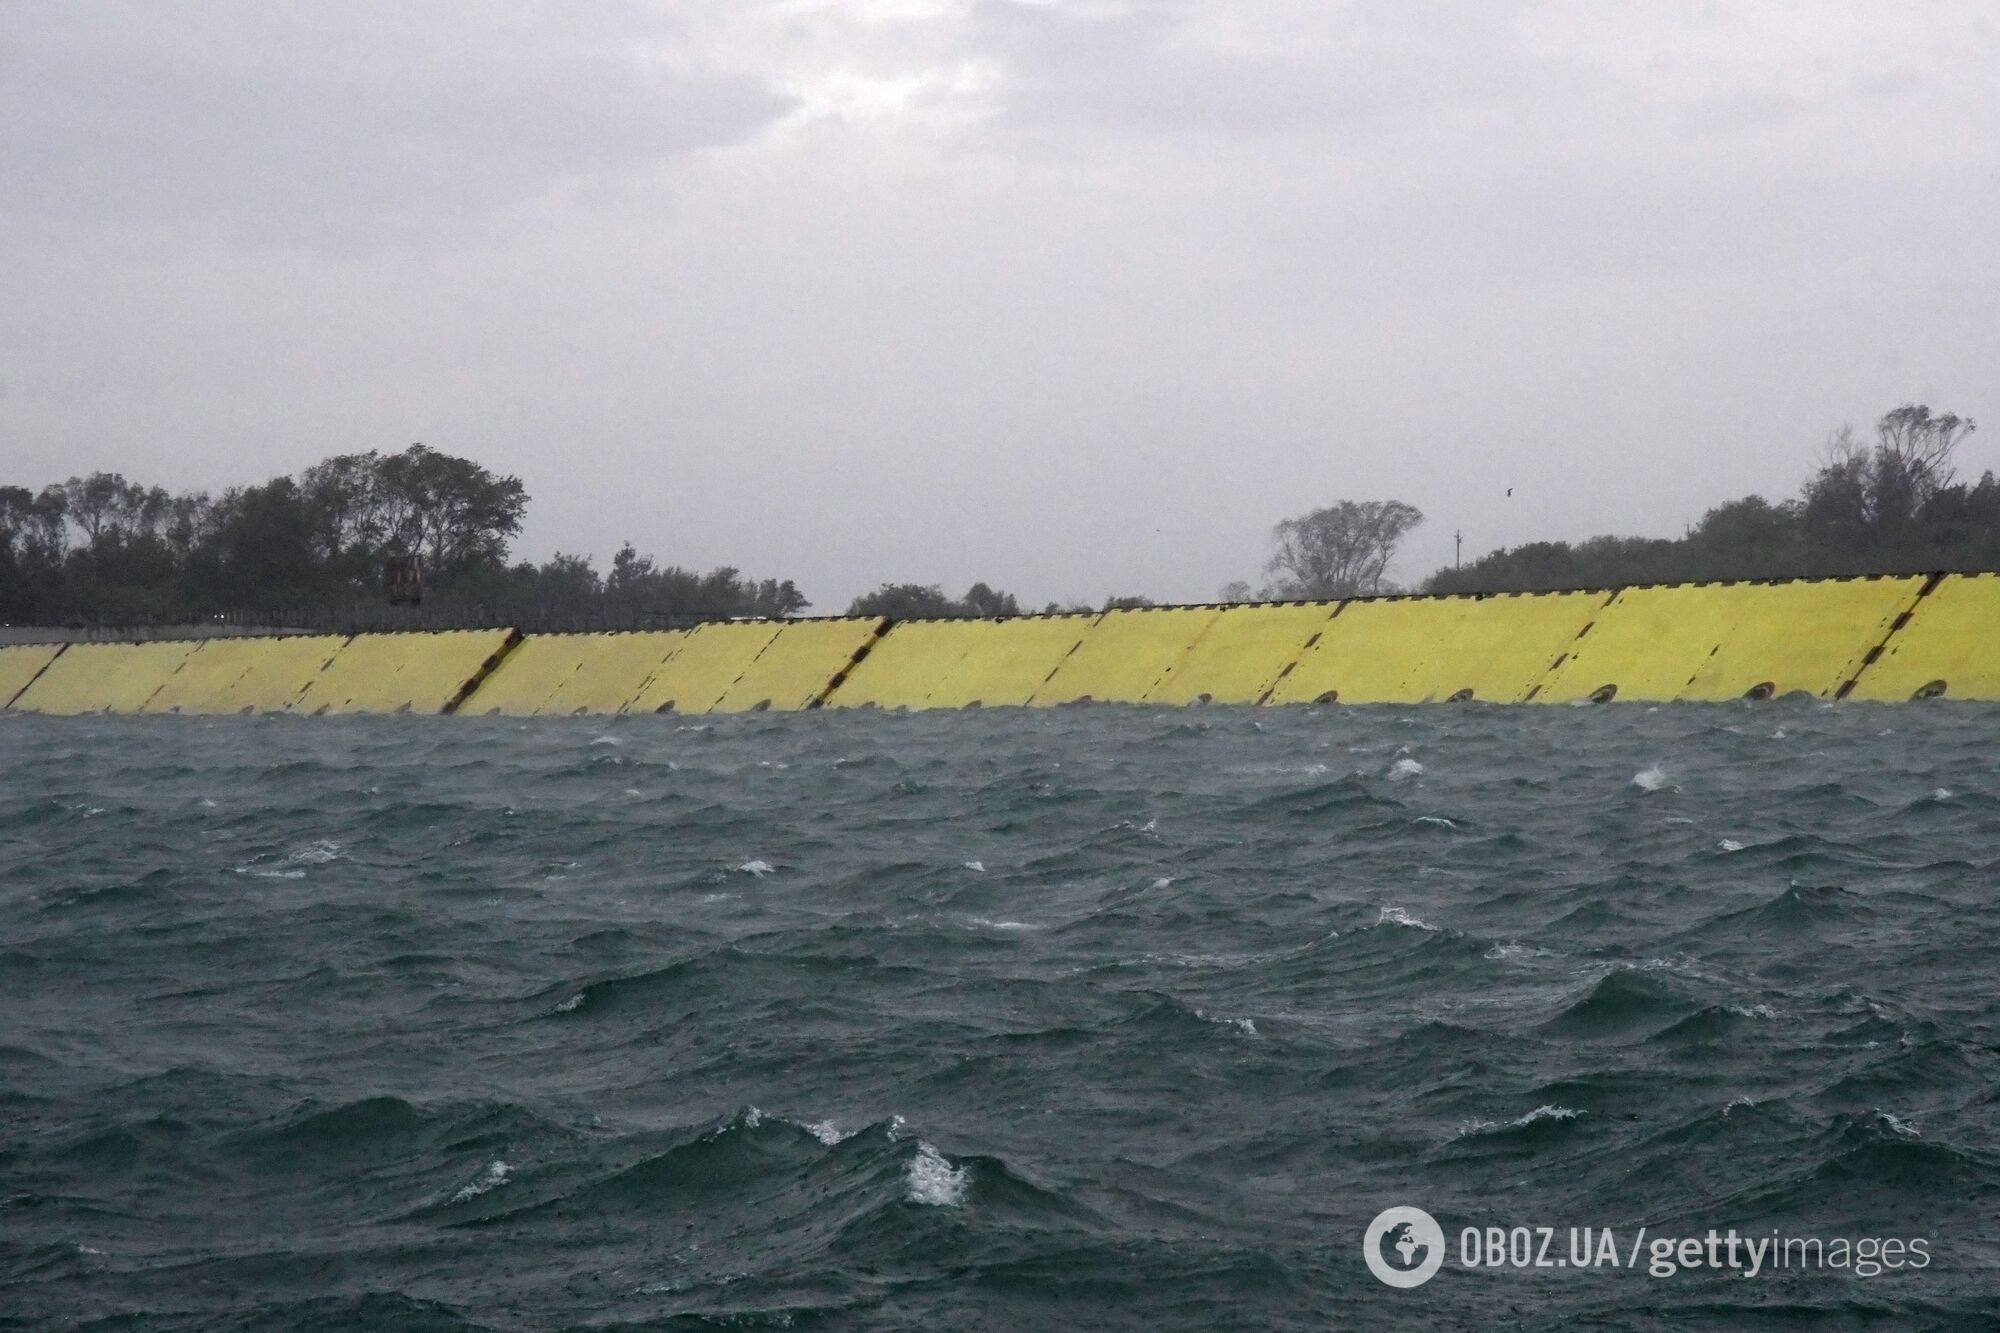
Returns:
(1093,1018)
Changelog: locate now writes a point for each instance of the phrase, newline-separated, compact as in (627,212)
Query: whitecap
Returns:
(757,868)
(772,763)
(1778,735)
(1150,826)
(1396,916)
(931,1180)
(1405,768)
(1730,845)
(1941,794)
(1507,953)
(828,1133)
(991,924)
(1763,1011)
(496,1176)
(1546,1111)
(1243,1025)
(1162,882)
(1734,1103)
(977,867)
(1897,1125)
(1650,779)
(265,872)
(605,740)
(571,1005)
(1439,820)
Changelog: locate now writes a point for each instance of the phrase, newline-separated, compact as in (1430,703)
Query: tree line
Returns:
(1889,505)
(100,548)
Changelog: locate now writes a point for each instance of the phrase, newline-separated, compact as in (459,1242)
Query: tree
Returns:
(777,598)
(1130,602)
(632,576)
(1340,551)
(906,601)
(451,511)
(980,600)
(1917,448)
(344,500)
(261,552)
(927,601)
(567,578)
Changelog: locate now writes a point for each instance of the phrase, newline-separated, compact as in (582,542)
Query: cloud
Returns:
(340,126)
(1076,296)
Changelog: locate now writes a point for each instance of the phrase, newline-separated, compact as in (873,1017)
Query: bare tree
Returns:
(1340,551)
(1918,447)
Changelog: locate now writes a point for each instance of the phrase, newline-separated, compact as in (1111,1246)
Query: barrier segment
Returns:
(413,672)
(246,675)
(1243,654)
(1009,660)
(1126,654)
(614,671)
(104,677)
(908,663)
(529,675)
(1949,646)
(19,665)
(1718,641)
(561,675)
(701,670)
(1494,648)
(801,663)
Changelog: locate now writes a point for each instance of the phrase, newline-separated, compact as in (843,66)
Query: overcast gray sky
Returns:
(1074,296)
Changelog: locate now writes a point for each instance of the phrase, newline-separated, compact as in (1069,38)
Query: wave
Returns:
(1625,1002)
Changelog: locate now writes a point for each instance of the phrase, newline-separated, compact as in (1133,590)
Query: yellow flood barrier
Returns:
(908,663)
(614,671)
(1243,654)
(795,670)
(530,674)
(104,677)
(21,663)
(1719,641)
(1125,654)
(1950,646)
(551,675)
(701,670)
(414,672)
(1008,660)
(246,675)
(1400,650)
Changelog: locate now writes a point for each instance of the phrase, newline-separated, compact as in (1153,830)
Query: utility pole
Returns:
(1457,546)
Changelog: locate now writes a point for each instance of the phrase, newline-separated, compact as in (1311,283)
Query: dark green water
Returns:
(1094,1018)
